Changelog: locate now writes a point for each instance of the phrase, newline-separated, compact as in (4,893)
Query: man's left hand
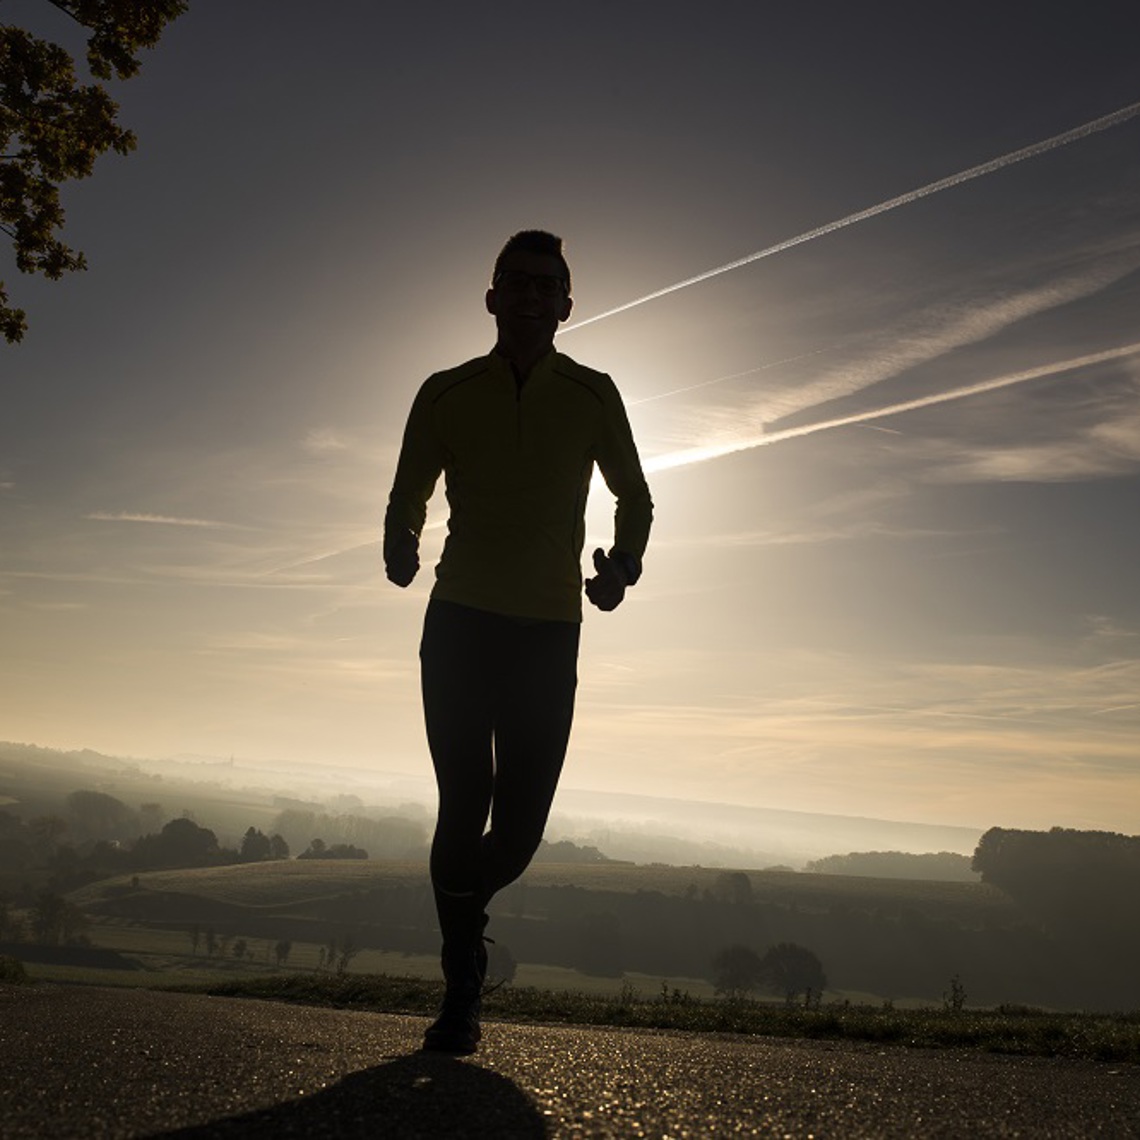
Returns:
(401,557)
(607,590)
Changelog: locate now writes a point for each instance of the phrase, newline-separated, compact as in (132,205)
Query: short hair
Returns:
(533,241)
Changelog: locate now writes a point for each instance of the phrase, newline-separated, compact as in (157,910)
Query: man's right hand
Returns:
(401,557)
(607,590)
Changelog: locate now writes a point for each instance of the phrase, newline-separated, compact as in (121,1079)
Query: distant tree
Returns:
(1074,881)
(942,866)
(211,942)
(564,851)
(17,844)
(97,815)
(105,857)
(954,999)
(392,837)
(255,847)
(47,918)
(736,971)
(278,848)
(282,951)
(65,860)
(47,830)
(53,128)
(11,928)
(318,849)
(789,969)
(195,933)
(348,950)
(733,887)
(55,920)
(239,948)
(181,843)
(12,971)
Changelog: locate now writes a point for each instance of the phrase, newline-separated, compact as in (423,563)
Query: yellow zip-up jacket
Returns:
(517,461)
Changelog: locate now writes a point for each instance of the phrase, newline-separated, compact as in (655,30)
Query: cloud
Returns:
(251,653)
(852,531)
(1106,631)
(161,520)
(371,544)
(703,453)
(324,441)
(935,333)
(1039,742)
(1101,450)
(731,376)
(924,337)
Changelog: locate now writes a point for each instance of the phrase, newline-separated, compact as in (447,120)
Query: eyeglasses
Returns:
(545,284)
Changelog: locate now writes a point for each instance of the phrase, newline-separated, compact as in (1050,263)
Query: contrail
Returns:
(1063,139)
(716,450)
(164,520)
(732,376)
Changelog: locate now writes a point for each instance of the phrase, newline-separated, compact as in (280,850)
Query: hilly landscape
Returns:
(97,878)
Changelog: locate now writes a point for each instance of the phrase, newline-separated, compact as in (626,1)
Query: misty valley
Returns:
(99,881)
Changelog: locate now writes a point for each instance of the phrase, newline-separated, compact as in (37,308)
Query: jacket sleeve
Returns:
(620,466)
(417,471)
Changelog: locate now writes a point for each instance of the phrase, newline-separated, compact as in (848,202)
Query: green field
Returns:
(150,917)
(292,883)
(164,957)
(283,882)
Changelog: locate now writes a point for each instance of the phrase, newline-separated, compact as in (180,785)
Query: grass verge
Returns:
(1014,1030)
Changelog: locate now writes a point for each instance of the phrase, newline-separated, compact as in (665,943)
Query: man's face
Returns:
(529,299)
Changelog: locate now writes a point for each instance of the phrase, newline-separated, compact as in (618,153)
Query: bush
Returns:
(12,971)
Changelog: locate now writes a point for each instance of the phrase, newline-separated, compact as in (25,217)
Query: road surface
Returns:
(83,1062)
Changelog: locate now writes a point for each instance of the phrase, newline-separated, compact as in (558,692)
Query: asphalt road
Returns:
(83,1062)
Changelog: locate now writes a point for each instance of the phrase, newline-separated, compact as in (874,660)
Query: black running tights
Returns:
(498,701)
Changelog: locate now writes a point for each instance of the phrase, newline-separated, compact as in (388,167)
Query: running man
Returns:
(516,434)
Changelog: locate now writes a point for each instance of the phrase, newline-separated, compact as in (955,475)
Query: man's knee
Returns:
(509,851)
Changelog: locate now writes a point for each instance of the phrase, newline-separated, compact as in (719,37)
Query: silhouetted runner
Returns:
(516,435)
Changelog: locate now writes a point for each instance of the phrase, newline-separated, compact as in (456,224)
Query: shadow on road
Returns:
(421,1095)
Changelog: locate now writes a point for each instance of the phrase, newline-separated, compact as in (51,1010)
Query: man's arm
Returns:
(417,471)
(621,468)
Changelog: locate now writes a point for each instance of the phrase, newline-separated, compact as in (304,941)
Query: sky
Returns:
(895,464)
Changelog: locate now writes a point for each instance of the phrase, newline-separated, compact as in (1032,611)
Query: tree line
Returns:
(97,836)
(945,866)
(1080,888)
